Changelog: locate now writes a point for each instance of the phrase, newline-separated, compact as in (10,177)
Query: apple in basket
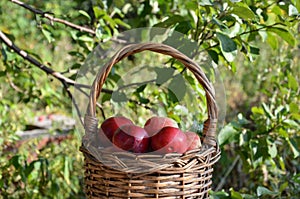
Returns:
(131,138)
(154,124)
(109,127)
(193,140)
(169,140)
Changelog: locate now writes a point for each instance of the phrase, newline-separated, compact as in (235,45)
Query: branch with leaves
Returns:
(66,82)
(51,18)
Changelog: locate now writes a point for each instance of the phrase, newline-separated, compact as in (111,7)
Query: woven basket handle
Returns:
(209,131)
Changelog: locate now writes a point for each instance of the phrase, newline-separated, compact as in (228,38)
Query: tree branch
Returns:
(35,62)
(64,80)
(49,16)
(243,33)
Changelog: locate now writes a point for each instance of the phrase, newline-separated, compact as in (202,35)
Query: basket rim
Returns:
(145,164)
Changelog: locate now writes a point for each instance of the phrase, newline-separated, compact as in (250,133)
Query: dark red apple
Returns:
(132,138)
(193,140)
(155,124)
(169,140)
(110,125)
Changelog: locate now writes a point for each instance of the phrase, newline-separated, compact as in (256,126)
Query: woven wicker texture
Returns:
(126,175)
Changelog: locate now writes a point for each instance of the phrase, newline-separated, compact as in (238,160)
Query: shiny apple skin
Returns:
(132,138)
(110,125)
(154,124)
(169,140)
(193,140)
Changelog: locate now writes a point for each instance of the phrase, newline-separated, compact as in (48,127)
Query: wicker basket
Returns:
(126,175)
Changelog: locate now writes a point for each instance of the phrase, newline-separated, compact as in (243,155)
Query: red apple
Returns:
(193,140)
(169,140)
(41,118)
(51,116)
(110,125)
(155,124)
(133,138)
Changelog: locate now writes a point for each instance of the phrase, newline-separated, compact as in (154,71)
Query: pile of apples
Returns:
(159,134)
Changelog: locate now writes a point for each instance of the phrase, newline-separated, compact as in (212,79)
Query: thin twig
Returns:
(12,84)
(223,180)
(49,16)
(97,104)
(35,62)
(246,32)
(136,84)
(64,80)
(66,87)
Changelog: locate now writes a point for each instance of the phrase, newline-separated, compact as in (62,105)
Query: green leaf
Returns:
(283,186)
(281,163)
(294,147)
(30,168)
(292,82)
(226,134)
(263,34)
(85,38)
(284,34)
(291,123)
(248,196)
(283,133)
(272,149)
(264,191)
(178,87)
(66,170)
(219,195)
(214,55)
(243,11)
(219,23)
(2,73)
(141,88)
(228,47)
(183,27)
(106,97)
(98,12)
(254,50)
(84,13)
(297,4)
(15,160)
(296,178)
(257,110)
(235,195)
(171,21)
(272,41)
(122,23)
(48,35)
(293,10)
(163,74)
(267,111)
(119,97)
(206,3)
(294,108)
(143,100)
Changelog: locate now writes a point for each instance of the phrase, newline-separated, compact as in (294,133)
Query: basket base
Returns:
(189,177)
